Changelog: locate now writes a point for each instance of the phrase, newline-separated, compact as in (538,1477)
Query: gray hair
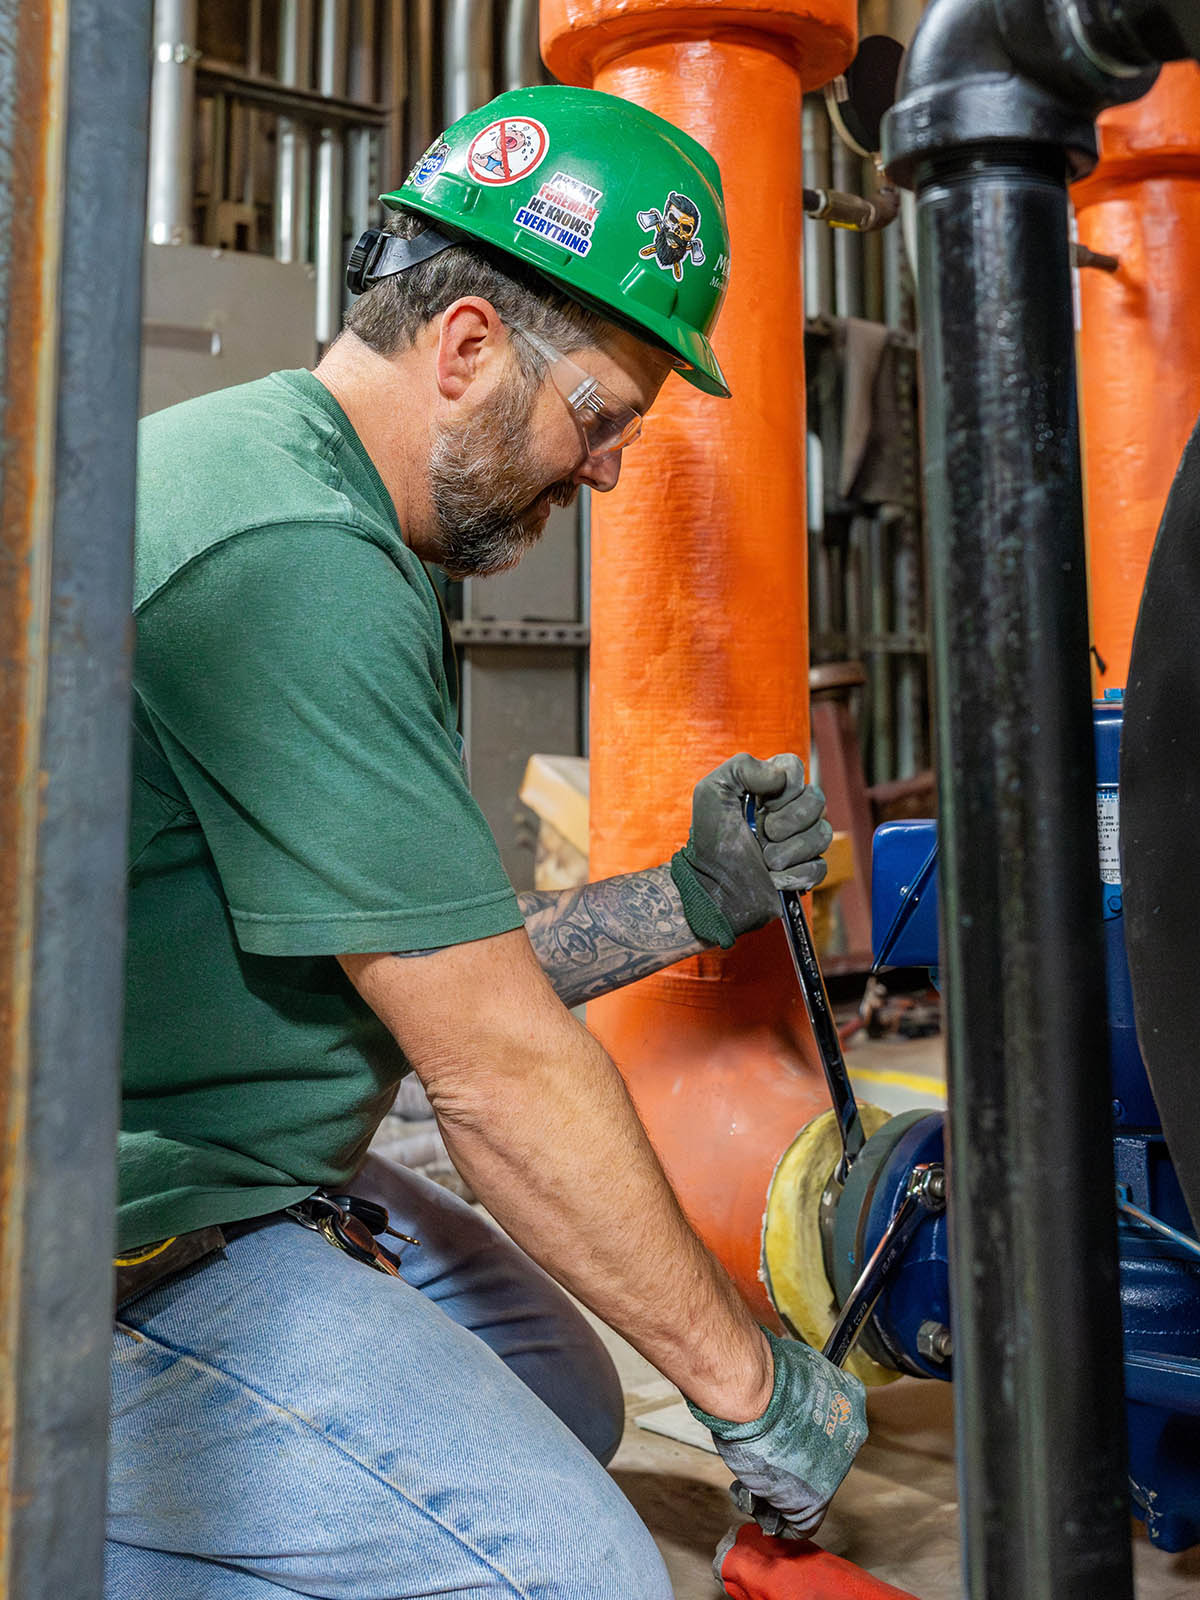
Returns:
(389,317)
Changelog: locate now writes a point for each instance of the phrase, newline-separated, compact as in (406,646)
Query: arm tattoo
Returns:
(604,935)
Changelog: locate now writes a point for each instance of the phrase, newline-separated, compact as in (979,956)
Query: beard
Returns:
(486,494)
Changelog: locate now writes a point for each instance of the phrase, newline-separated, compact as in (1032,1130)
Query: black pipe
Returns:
(996,112)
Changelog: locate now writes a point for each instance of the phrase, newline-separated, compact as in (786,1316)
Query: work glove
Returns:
(789,1463)
(728,880)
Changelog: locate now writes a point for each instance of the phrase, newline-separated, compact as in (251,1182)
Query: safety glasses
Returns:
(606,423)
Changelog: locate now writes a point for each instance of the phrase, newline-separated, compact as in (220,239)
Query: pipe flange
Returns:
(793,1270)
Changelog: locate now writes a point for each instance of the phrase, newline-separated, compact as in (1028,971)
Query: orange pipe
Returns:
(699,593)
(1139,351)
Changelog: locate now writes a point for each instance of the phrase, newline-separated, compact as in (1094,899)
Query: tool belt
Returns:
(348,1222)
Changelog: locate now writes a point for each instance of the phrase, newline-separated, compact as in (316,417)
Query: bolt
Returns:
(934,1342)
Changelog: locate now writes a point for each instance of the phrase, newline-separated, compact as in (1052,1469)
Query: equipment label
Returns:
(1108,819)
(564,211)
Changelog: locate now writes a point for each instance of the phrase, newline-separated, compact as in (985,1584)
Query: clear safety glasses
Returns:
(606,423)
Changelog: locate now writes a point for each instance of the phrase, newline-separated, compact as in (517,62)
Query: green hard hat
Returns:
(619,208)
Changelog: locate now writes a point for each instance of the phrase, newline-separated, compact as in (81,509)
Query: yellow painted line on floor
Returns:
(900,1080)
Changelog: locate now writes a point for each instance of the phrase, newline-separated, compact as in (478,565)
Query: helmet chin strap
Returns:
(381,255)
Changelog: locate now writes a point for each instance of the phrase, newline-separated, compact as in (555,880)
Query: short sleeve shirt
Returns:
(298,794)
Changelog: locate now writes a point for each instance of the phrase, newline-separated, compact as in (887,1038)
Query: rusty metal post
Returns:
(74,94)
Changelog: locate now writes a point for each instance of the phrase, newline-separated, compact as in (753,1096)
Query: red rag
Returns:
(761,1568)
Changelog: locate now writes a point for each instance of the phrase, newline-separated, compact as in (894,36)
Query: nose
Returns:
(600,472)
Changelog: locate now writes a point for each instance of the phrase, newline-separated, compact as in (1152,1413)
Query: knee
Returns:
(602,1553)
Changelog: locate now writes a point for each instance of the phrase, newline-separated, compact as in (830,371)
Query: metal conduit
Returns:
(467,76)
(521,63)
(72,224)
(292,172)
(333,26)
(172,119)
(818,241)
(421,118)
(361,176)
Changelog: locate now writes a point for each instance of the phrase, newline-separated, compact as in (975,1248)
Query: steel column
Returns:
(71,235)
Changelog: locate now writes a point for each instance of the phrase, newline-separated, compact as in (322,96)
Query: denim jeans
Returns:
(287,1421)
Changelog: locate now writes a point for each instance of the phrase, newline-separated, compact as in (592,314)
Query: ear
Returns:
(471,340)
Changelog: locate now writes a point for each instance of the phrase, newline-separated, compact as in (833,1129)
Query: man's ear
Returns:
(470,342)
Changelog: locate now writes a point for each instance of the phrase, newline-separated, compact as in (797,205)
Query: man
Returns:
(316,904)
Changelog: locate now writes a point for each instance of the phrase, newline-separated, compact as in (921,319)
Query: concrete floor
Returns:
(897,1513)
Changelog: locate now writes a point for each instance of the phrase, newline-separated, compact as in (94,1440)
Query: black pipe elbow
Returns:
(1139,30)
(1001,72)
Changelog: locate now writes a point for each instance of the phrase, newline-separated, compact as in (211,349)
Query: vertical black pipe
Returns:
(1037,1337)
(64,1325)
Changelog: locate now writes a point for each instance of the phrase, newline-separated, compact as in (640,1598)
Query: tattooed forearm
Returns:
(604,935)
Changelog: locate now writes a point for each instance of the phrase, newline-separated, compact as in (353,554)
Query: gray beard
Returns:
(483,500)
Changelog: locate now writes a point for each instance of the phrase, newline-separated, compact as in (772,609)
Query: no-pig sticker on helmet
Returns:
(563,211)
(507,150)
(676,230)
(430,164)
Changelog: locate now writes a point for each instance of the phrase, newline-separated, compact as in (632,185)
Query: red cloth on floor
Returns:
(760,1568)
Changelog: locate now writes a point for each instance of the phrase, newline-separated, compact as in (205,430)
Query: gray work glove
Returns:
(789,1463)
(728,880)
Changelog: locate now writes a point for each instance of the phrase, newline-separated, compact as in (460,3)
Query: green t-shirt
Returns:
(297,794)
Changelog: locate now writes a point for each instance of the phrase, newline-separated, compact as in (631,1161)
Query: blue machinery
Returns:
(1159,1257)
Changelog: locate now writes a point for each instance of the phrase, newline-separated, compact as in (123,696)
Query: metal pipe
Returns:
(293,158)
(422,118)
(818,242)
(394,90)
(1139,351)
(1037,1336)
(995,109)
(172,110)
(722,1040)
(467,57)
(908,618)
(362,185)
(880,662)
(521,64)
(362,71)
(72,223)
(853,211)
(334,19)
(847,250)
(254,29)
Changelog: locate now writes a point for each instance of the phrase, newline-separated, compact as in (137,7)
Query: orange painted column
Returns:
(699,591)
(1139,343)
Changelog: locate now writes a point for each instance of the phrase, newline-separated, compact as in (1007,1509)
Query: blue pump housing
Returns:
(1160,1279)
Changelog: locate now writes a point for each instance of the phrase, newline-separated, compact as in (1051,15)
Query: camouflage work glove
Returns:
(789,1464)
(729,881)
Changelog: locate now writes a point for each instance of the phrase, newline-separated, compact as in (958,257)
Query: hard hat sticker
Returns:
(507,150)
(676,230)
(563,211)
(430,164)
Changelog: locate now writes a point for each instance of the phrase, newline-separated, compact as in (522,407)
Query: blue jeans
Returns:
(287,1421)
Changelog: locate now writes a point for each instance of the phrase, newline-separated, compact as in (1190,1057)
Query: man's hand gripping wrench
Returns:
(924,1194)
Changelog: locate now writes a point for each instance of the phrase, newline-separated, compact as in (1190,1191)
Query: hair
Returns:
(389,317)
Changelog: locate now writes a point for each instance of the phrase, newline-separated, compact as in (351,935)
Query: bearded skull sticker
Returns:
(676,230)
